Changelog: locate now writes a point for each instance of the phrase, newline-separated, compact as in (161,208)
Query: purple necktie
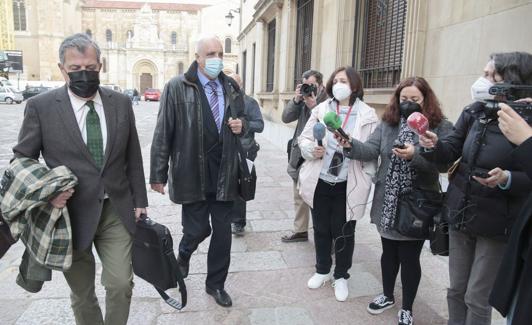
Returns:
(213,102)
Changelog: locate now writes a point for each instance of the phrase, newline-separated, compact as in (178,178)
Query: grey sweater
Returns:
(379,145)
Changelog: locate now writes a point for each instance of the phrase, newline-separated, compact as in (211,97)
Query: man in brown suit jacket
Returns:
(91,130)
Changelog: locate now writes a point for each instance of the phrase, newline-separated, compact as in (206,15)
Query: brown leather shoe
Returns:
(295,237)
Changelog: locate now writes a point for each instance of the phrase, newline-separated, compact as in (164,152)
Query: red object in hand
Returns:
(418,123)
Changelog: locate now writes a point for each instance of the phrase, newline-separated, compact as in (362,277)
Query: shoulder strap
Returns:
(181,283)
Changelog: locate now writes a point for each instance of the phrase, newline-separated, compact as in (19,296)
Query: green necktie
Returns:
(94,135)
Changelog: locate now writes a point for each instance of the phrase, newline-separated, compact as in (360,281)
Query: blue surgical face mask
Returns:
(213,67)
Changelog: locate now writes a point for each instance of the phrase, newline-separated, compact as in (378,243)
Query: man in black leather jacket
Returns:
(201,114)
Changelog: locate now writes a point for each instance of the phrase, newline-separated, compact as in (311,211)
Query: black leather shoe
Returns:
(237,230)
(183,266)
(221,297)
(295,237)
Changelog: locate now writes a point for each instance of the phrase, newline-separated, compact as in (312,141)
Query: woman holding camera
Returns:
(486,192)
(402,170)
(334,187)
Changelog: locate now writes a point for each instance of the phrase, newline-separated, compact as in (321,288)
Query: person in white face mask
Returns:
(484,197)
(200,117)
(335,187)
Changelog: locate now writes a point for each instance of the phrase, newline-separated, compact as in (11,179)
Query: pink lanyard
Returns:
(348,114)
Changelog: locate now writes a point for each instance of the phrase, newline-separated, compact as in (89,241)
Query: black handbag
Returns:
(247,180)
(415,212)
(154,260)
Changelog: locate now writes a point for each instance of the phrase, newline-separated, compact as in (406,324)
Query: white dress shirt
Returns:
(81,109)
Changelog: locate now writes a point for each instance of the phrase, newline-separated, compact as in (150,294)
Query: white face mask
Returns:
(341,91)
(480,90)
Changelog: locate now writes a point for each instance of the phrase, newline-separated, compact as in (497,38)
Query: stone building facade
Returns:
(7,37)
(447,42)
(143,44)
(40,27)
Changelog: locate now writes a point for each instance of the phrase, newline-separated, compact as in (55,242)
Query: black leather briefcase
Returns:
(154,260)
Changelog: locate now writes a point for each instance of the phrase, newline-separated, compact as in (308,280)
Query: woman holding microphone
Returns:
(401,170)
(336,188)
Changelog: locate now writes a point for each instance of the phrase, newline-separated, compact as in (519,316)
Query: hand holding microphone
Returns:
(334,124)
(418,123)
(319,133)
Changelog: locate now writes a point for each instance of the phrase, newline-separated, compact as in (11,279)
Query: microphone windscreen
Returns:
(418,123)
(332,120)
(319,131)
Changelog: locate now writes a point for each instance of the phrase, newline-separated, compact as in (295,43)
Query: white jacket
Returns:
(359,174)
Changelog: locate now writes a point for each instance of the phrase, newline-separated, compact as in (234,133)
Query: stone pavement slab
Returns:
(267,278)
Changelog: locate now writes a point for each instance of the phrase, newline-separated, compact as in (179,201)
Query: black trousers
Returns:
(331,228)
(238,212)
(404,254)
(196,228)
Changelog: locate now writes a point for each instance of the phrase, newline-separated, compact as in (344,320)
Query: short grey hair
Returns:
(80,42)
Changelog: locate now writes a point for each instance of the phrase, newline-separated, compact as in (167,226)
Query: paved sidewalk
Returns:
(267,278)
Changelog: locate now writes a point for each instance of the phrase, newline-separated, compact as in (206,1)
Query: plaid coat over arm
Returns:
(27,188)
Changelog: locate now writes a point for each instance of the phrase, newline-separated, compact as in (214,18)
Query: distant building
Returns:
(143,44)
(7,35)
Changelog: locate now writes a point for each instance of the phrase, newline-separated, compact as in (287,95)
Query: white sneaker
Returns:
(340,289)
(318,280)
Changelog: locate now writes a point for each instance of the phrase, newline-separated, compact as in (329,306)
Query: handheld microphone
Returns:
(418,123)
(334,123)
(319,133)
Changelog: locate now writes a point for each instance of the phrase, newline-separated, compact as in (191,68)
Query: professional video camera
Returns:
(510,93)
(307,90)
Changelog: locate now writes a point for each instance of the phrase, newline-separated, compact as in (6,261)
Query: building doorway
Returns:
(145,75)
(146,81)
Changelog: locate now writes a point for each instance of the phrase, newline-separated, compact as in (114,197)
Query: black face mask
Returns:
(407,107)
(84,83)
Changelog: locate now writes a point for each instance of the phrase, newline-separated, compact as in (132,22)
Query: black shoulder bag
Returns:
(154,260)
(416,211)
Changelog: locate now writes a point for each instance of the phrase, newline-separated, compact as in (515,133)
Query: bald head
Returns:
(206,43)
(208,47)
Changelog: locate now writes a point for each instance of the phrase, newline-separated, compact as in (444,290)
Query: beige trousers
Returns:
(113,243)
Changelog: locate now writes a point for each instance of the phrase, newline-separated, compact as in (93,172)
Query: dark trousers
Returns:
(331,228)
(404,254)
(196,228)
(238,212)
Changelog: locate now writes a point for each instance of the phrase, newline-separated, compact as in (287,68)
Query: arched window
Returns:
(180,68)
(19,15)
(173,38)
(129,34)
(228,45)
(108,35)
(89,33)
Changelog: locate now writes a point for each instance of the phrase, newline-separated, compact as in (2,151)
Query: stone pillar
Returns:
(415,35)
(260,55)
(278,30)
